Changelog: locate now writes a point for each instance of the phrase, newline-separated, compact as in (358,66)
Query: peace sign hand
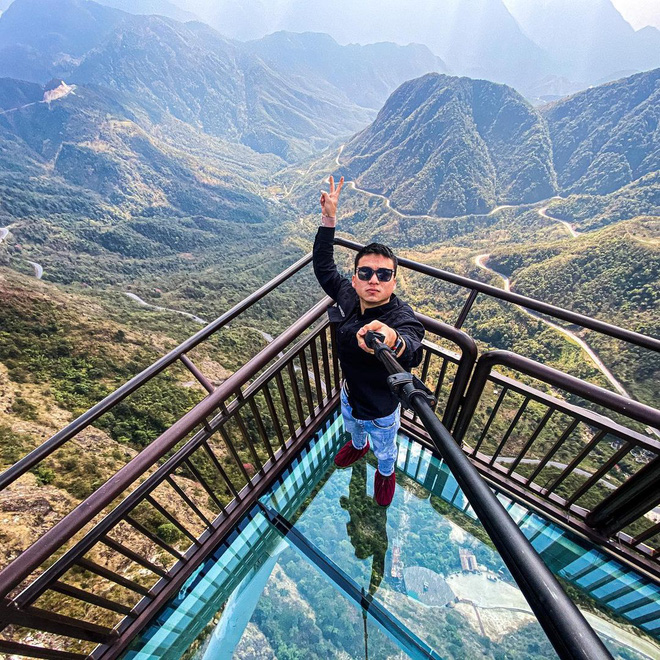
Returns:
(329,199)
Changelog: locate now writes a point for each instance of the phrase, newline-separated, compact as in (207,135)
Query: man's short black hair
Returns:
(376,248)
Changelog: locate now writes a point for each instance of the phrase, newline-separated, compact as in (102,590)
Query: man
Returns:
(366,302)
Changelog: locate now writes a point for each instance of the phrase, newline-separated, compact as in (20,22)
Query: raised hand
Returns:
(330,199)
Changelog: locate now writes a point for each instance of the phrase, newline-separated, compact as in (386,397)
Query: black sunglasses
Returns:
(383,274)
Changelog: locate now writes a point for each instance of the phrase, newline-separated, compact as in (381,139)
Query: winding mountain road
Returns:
(481,261)
(144,303)
(543,212)
(38,268)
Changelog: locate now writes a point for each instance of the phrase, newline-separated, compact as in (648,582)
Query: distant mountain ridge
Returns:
(187,70)
(365,74)
(452,146)
(478,38)
(589,40)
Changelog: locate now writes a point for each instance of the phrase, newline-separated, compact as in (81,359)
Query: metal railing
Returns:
(99,574)
(212,465)
(215,476)
(567,629)
(571,462)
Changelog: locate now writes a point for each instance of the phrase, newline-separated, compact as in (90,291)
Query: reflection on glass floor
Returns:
(430,581)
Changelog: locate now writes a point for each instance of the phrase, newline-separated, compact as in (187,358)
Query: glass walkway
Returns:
(318,570)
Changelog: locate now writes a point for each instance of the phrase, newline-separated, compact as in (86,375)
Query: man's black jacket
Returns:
(369,394)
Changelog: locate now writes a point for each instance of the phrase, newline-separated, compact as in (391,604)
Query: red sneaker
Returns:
(384,488)
(348,454)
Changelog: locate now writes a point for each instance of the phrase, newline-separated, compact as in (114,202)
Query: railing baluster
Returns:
(424,374)
(335,361)
(568,470)
(203,483)
(285,404)
(532,439)
(317,372)
(326,362)
(203,380)
(492,416)
(304,372)
(14,648)
(166,514)
(58,624)
(220,469)
(232,450)
(261,428)
(440,383)
(246,436)
(153,538)
(133,556)
(555,448)
(604,469)
(466,309)
(273,414)
(91,599)
(649,533)
(296,393)
(509,431)
(425,364)
(181,493)
(106,573)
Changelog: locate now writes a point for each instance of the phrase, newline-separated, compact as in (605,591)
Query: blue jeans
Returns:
(381,431)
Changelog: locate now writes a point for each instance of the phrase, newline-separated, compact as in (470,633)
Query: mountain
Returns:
(157,7)
(39,39)
(589,40)
(607,136)
(479,38)
(160,7)
(14,93)
(168,68)
(366,75)
(194,74)
(588,212)
(451,146)
(612,274)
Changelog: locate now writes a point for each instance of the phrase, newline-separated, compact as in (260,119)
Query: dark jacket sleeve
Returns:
(326,272)
(412,332)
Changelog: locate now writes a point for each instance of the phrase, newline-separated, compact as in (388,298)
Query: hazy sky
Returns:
(639,12)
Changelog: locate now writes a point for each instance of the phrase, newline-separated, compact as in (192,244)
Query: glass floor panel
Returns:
(419,579)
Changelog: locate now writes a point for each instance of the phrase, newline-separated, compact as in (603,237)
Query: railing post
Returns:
(466,309)
(633,499)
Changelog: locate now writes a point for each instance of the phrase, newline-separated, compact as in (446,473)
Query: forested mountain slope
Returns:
(607,136)
(450,146)
(168,68)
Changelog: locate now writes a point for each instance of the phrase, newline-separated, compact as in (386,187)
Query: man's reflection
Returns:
(367,527)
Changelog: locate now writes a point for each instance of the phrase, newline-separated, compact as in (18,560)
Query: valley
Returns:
(155,171)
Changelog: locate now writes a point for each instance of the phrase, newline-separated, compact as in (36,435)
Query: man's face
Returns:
(374,293)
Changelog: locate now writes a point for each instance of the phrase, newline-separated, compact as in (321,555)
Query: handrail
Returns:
(529,303)
(615,402)
(31,558)
(564,624)
(88,417)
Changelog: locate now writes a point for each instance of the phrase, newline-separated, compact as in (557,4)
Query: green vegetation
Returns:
(452,146)
(602,138)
